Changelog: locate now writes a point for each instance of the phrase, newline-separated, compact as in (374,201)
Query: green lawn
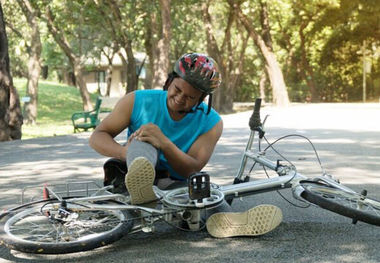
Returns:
(56,103)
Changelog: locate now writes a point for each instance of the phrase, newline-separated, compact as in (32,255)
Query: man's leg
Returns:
(141,162)
(114,174)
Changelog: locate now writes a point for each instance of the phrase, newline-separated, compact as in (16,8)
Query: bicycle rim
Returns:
(30,230)
(351,205)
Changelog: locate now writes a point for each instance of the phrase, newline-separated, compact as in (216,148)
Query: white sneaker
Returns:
(139,181)
(253,222)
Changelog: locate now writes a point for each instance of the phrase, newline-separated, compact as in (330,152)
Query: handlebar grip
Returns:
(257,105)
(255,121)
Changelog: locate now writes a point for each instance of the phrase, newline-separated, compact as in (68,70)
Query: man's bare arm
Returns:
(102,139)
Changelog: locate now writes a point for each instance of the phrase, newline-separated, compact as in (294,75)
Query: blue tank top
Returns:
(150,107)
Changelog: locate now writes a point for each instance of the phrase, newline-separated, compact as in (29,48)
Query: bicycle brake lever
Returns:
(265,119)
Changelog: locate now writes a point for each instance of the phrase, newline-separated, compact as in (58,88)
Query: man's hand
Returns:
(152,134)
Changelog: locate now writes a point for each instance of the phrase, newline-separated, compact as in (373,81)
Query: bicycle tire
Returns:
(30,230)
(352,205)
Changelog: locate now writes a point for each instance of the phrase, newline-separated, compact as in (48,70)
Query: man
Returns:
(171,135)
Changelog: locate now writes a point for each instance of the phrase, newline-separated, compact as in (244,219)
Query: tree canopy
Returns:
(312,50)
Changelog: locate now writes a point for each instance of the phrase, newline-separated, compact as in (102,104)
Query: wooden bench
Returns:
(86,120)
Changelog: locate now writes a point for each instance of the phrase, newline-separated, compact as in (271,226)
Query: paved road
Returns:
(347,137)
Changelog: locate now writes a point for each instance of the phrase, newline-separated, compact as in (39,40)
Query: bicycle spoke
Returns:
(47,227)
(37,227)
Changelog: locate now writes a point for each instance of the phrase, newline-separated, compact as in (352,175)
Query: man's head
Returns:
(182,97)
(198,70)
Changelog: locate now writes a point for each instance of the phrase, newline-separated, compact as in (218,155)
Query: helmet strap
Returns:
(169,80)
(195,108)
(209,104)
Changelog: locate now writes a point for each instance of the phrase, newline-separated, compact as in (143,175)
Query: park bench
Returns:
(86,120)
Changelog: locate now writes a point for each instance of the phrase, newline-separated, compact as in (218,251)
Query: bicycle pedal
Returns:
(199,186)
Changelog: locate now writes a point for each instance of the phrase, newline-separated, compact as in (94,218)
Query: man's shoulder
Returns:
(150,92)
(150,97)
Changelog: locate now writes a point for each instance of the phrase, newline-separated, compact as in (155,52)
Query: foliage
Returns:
(187,28)
(332,32)
(17,45)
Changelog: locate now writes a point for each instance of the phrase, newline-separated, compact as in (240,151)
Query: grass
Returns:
(56,103)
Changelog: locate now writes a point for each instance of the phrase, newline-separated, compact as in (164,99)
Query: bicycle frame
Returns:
(288,177)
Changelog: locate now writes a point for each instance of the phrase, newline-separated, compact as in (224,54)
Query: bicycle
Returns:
(78,220)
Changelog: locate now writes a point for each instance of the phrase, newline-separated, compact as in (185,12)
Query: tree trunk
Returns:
(74,60)
(280,93)
(221,99)
(163,47)
(10,111)
(34,70)
(166,36)
(34,65)
(150,44)
(235,70)
(265,27)
(109,69)
(15,113)
(81,84)
(109,79)
(122,38)
(231,71)
(131,68)
(263,80)
(288,46)
(229,58)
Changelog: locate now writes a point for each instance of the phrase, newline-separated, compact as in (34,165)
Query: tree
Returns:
(122,19)
(351,22)
(263,42)
(34,63)
(299,21)
(150,42)
(230,62)
(161,58)
(109,54)
(76,59)
(158,36)
(10,111)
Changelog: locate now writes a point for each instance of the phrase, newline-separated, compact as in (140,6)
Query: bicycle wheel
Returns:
(46,228)
(351,205)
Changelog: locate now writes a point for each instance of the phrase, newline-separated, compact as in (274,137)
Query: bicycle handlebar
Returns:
(255,121)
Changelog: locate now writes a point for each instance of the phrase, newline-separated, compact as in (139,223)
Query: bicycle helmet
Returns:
(199,70)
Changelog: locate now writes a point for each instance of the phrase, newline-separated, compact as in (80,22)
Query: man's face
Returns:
(182,96)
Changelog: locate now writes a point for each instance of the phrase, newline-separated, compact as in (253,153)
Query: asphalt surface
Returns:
(346,136)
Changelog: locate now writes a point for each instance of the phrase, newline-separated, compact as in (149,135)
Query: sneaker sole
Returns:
(253,222)
(139,181)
